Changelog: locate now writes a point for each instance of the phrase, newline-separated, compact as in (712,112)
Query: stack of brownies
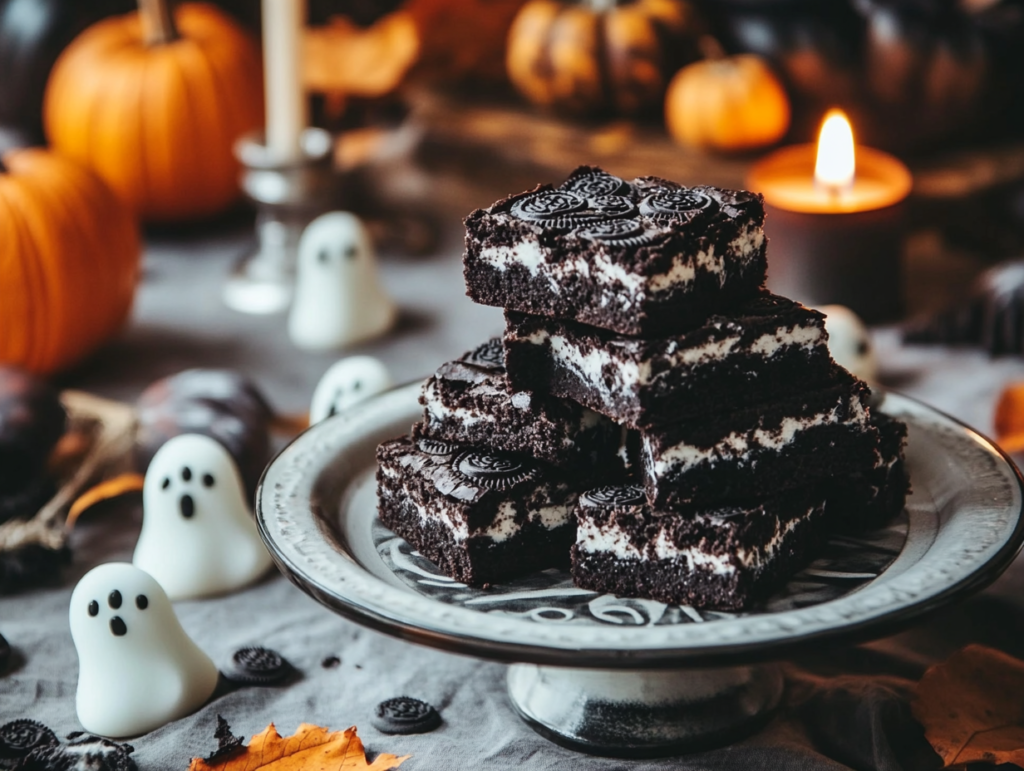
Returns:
(653,411)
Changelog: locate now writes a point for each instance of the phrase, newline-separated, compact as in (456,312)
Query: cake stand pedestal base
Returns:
(643,713)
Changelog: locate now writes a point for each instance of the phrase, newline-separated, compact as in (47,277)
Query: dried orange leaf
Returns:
(1009,418)
(111,488)
(972,709)
(311,748)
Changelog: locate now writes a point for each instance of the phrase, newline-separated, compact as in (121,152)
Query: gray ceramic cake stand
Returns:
(630,677)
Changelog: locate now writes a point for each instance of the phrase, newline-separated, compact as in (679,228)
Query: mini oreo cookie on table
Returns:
(19,737)
(258,666)
(81,752)
(405,715)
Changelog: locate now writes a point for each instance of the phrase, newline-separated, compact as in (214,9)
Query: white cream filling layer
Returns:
(616,543)
(614,369)
(599,265)
(504,524)
(682,457)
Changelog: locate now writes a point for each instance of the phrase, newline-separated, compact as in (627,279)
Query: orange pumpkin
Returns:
(69,259)
(600,55)
(155,107)
(728,104)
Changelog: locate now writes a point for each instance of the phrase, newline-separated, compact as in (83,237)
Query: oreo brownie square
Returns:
(721,557)
(468,401)
(767,347)
(648,257)
(869,498)
(757,451)
(480,515)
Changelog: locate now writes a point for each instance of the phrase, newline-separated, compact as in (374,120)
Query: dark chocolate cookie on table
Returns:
(648,257)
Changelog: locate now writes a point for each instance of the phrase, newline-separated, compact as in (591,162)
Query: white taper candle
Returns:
(283,25)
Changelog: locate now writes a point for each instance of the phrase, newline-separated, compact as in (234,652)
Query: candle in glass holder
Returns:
(835,222)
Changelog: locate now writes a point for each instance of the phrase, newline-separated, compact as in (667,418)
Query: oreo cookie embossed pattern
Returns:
(647,257)
(405,715)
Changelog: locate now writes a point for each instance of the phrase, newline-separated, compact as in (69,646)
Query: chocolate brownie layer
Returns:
(723,557)
(757,451)
(468,401)
(870,498)
(480,515)
(647,257)
(767,347)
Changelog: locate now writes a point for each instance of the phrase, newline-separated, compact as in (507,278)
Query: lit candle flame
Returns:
(835,165)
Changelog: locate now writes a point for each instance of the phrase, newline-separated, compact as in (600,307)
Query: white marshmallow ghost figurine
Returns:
(198,538)
(137,668)
(338,300)
(347,383)
(849,342)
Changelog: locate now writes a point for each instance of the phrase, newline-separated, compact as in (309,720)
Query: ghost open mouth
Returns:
(188,506)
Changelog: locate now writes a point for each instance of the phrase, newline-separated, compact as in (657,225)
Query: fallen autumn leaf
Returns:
(972,709)
(311,748)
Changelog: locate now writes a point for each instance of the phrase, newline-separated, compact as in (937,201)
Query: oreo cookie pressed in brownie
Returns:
(722,557)
(478,514)
(647,257)
(763,449)
(468,401)
(767,347)
(870,498)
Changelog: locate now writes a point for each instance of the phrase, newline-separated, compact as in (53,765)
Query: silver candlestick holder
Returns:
(287,196)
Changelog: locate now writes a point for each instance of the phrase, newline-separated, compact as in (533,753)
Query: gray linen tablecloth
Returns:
(845,708)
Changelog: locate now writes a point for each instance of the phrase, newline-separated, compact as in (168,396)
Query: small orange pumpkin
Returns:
(155,107)
(69,259)
(727,104)
(600,55)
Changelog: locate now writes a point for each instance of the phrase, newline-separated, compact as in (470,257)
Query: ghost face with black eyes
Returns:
(338,299)
(198,537)
(347,383)
(137,669)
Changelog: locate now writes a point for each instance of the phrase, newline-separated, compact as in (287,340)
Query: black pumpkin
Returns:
(926,66)
(221,404)
(32,35)
(814,45)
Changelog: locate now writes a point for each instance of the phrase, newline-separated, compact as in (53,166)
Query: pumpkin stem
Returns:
(157,22)
(710,48)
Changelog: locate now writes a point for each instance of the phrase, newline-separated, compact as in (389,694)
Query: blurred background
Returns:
(434,107)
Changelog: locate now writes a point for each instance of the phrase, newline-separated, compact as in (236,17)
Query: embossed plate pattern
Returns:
(316,512)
